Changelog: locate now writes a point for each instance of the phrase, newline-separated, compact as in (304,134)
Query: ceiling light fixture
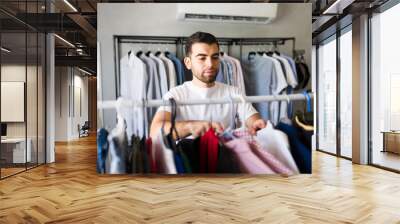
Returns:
(337,7)
(64,40)
(328,10)
(84,71)
(5,50)
(70,5)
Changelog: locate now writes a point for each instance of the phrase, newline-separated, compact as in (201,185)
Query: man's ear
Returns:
(188,63)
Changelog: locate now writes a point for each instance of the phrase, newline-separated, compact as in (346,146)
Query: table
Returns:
(391,141)
(15,148)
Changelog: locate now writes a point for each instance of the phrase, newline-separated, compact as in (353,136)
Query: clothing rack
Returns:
(112,104)
(180,41)
(222,41)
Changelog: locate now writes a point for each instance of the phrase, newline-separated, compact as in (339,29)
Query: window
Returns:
(346,93)
(385,87)
(327,96)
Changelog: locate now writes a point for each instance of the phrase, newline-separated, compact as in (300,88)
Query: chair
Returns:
(84,130)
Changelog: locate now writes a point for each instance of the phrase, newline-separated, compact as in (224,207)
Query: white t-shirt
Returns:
(223,113)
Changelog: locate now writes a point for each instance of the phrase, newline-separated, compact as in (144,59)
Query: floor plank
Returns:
(70,191)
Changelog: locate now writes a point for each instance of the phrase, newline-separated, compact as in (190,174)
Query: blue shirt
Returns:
(259,79)
(102,150)
(178,68)
(301,154)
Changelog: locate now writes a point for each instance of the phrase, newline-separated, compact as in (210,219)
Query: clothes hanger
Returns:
(304,126)
(269,52)
(251,53)
(158,52)
(166,52)
(259,51)
(140,52)
(148,51)
(276,49)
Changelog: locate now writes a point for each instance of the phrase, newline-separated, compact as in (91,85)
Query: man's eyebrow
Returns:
(202,55)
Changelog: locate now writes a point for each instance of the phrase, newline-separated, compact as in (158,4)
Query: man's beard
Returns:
(206,79)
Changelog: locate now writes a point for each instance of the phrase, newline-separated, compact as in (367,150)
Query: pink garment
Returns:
(262,153)
(248,161)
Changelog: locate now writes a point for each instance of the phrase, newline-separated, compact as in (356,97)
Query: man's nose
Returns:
(209,62)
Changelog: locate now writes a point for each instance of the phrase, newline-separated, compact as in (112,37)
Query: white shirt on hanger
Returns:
(277,143)
(162,73)
(290,77)
(292,81)
(209,112)
(153,84)
(280,85)
(133,87)
(171,71)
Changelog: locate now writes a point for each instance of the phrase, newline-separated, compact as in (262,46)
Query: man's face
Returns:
(204,62)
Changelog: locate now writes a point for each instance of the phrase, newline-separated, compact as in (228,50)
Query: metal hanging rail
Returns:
(112,104)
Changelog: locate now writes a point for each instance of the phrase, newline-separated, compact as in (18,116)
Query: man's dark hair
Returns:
(199,37)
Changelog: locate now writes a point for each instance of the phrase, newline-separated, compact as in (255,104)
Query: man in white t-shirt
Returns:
(202,57)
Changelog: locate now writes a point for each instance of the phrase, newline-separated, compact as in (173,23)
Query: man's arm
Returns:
(184,128)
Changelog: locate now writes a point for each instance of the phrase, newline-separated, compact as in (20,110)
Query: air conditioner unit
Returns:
(256,13)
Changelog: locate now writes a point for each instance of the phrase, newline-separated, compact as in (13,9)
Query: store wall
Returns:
(16,73)
(71,102)
(123,19)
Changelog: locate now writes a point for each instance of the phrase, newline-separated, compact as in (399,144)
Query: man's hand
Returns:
(257,125)
(184,128)
(198,128)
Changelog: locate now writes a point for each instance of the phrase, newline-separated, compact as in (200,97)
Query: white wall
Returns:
(69,79)
(293,20)
(61,103)
(33,126)
(15,72)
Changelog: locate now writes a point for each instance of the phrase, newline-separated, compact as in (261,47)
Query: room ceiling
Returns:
(79,27)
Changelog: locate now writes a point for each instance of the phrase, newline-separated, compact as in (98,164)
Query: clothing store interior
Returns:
(267,58)
(170,112)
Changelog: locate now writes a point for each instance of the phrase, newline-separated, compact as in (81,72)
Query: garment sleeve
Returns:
(245,110)
(166,96)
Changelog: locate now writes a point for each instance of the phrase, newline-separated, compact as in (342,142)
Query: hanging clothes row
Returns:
(151,75)
(271,73)
(154,73)
(271,151)
(230,72)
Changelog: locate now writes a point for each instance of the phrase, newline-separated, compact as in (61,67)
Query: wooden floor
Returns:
(70,191)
